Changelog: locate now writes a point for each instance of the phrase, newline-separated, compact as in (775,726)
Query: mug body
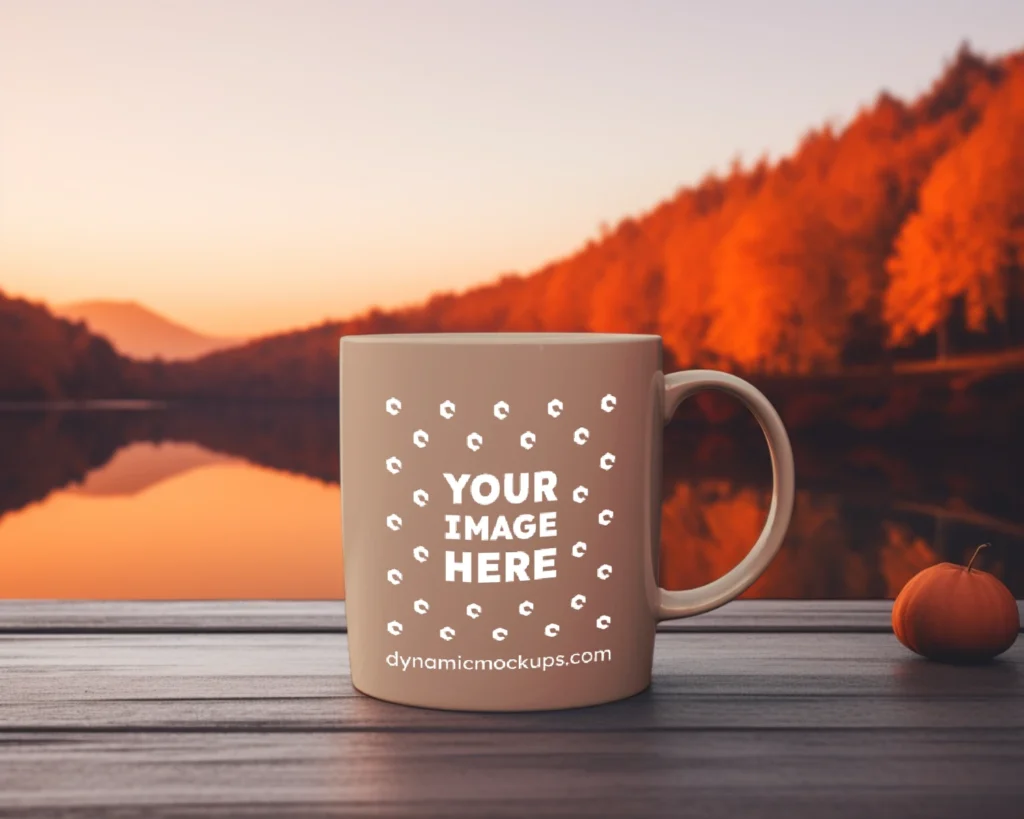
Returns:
(501,497)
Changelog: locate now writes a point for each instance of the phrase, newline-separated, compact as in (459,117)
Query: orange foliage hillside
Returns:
(836,255)
(898,236)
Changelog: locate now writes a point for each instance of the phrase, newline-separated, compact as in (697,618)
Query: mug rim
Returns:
(501,338)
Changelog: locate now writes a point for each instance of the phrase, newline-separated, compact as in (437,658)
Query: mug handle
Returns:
(680,386)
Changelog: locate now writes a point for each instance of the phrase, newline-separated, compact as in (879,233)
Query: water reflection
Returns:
(711,524)
(142,465)
(174,521)
(238,502)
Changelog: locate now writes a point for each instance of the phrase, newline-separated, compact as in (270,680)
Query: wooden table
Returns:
(762,709)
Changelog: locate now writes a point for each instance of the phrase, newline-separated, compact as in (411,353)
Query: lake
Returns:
(161,502)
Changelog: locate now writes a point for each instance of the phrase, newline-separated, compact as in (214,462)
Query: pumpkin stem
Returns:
(975,555)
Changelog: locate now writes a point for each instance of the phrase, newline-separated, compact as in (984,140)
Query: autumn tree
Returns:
(701,218)
(627,288)
(800,278)
(45,358)
(563,303)
(966,241)
(778,297)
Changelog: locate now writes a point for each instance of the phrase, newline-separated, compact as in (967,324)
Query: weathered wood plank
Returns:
(261,616)
(299,682)
(267,725)
(171,616)
(785,774)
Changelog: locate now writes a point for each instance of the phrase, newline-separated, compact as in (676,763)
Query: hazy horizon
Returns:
(248,168)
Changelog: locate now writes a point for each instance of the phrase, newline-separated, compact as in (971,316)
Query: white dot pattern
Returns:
(474,442)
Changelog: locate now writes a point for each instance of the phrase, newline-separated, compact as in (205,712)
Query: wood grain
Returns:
(742,773)
(171,616)
(261,616)
(283,682)
(783,724)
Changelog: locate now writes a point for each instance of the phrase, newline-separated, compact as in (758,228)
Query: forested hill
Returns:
(900,235)
(43,357)
(894,235)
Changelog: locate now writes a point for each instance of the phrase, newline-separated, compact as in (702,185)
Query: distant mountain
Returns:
(140,333)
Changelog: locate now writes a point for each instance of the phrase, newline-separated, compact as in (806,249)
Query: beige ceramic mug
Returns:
(501,508)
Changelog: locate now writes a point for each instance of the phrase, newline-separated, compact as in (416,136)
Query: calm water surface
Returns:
(230,502)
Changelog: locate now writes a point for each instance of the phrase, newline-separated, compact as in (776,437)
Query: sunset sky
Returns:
(245,167)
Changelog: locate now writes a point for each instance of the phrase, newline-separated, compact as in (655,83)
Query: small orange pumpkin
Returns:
(956,614)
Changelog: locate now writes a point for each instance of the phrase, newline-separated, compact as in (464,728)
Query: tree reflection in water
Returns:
(868,514)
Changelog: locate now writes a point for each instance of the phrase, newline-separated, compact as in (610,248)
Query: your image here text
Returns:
(513,565)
